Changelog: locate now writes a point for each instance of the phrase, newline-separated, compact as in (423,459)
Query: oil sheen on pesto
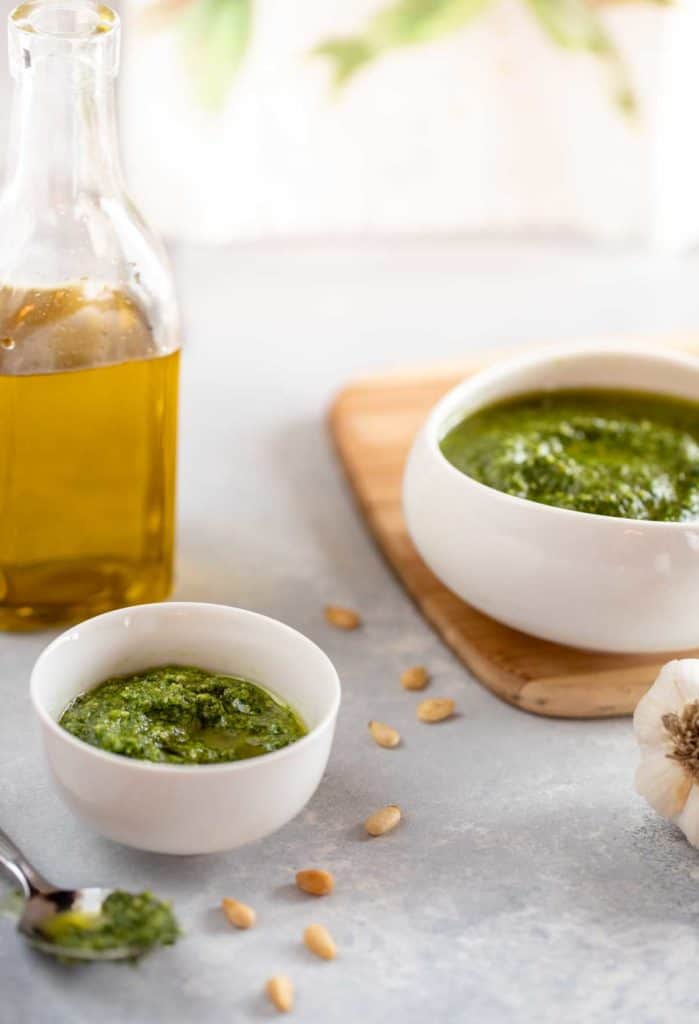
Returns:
(182,715)
(613,453)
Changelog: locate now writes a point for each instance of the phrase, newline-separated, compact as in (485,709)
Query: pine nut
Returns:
(280,992)
(342,618)
(415,678)
(239,914)
(320,942)
(384,734)
(436,709)
(315,881)
(383,821)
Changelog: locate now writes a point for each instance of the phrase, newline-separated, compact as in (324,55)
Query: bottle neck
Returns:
(63,138)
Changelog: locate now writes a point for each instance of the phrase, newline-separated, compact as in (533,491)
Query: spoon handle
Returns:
(15,864)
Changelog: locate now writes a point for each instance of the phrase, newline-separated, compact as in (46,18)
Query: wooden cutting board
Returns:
(373,423)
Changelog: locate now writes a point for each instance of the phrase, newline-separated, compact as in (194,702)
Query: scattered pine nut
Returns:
(384,734)
(415,678)
(239,914)
(280,992)
(342,618)
(436,709)
(320,942)
(315,881)
(383,821)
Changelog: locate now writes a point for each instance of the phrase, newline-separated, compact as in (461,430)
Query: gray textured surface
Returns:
(528,882)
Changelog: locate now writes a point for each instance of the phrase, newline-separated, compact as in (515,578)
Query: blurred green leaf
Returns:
(572,24)
(216,34)
(575,25)
(418,21)
(405,23)
(348,54)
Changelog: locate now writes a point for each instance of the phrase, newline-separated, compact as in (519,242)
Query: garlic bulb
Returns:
(666,724)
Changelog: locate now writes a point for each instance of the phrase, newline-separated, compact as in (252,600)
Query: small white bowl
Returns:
(186,809)
(580,579)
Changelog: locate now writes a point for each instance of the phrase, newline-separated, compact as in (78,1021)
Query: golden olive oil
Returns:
(88,413)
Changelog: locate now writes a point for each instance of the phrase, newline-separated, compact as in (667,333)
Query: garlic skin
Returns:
(666,725)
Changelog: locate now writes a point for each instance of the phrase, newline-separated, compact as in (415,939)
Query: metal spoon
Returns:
(44,900)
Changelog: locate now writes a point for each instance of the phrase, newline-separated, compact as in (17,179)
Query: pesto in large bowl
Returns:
(182,715)
(613,453)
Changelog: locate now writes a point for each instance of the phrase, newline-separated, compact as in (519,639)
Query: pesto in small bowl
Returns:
(614,453)
(182,715)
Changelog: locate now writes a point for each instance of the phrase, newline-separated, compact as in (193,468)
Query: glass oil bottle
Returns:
(89,344)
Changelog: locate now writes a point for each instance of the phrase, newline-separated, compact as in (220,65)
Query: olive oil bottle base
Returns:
(87,480)
(80,590)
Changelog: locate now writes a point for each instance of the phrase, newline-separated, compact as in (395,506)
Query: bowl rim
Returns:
(502,368)
(158,767)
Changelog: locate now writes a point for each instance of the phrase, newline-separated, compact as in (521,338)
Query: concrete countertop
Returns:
(528,882)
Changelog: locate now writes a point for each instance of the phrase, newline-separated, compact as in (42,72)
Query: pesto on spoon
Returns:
(86,924)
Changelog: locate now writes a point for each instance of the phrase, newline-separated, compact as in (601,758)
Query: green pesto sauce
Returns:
(182,715)
(613,453)
(135,920)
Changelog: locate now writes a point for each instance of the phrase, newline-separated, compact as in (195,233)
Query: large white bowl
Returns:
(579,579)
(186,808)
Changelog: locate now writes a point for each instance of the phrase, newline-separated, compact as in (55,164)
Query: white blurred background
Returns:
(489,126)
(232,129)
